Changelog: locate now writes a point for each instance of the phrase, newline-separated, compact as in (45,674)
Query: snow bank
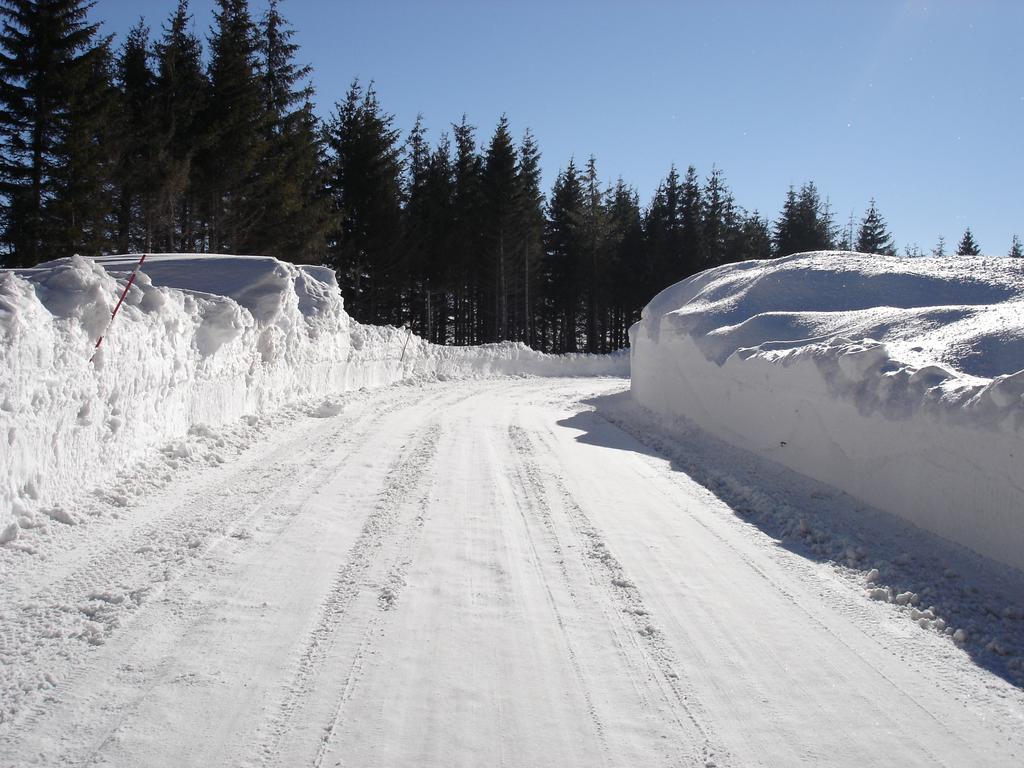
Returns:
(899,381)
(199,341)
(386,354)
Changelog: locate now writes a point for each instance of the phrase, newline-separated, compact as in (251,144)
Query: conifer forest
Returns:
(172,140)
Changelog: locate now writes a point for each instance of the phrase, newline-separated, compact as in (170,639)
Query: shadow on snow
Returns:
(825,525)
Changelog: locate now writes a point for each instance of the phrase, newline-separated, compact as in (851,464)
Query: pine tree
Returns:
(285,84)
(816,219)
(137,170)
(438,219)
(179,102)
(968,246)
(235,121)
(415,224)
(786,237)
(629,271)
(298,208)
(1016,252)
(84,189)
(365,184)
(467,207)
(500,189)
(873,237)
(416,167)
(940,248)
(55,112)
(720,225)
(846,242)
(663,228)
(594,255)
(530,230)
(293,214)
(675,229)
(755,238)
(691,216)
(564,244)
(805,223)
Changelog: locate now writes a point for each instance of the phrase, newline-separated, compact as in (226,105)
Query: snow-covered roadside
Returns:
(941,587)
(898,381)
(199,342)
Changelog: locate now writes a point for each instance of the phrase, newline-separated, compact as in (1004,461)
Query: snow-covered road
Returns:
(463,573)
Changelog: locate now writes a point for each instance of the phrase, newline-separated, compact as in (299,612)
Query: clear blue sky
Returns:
(917,104)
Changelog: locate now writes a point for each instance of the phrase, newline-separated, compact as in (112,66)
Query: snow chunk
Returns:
(328,409)
(10,533)
(60,514)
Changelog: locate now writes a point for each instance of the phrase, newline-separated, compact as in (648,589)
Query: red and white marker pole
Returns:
(120,301)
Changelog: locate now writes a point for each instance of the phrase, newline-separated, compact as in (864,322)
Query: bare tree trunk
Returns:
(526,295)
(502,288)
(430,324)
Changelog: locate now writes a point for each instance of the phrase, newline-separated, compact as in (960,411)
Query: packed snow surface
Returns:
(199,341)
(897,380)
(503,571)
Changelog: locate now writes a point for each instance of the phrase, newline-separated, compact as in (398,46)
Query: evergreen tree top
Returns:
(873,236)
(805,223)
(501,146)
(528,164)
(286,84)
(1016,250)
(417,161)
(499,174)
(968,246)
(233,44)
(179,45)
(134,74)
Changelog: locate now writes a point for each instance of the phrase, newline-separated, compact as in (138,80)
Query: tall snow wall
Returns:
(199,340)
(898,381)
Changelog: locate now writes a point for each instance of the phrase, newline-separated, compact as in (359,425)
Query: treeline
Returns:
(158,145)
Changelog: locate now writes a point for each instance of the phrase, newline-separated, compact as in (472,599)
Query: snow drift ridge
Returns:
(899,381)
(200,340)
